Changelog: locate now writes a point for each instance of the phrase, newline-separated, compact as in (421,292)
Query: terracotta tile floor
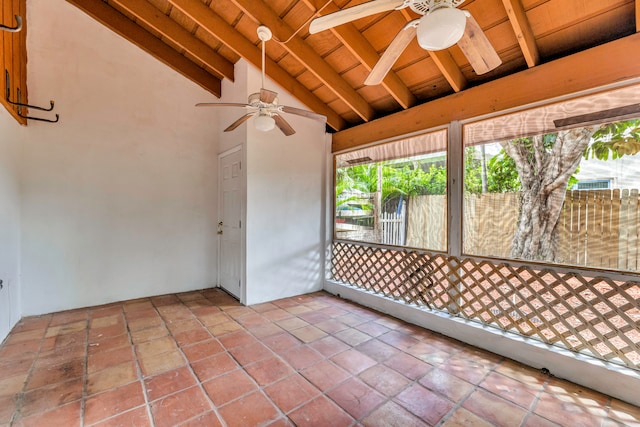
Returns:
(202,359)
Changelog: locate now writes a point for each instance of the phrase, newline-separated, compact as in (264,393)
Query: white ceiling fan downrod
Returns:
(265,35)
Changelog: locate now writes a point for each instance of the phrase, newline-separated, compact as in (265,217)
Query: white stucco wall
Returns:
(285,209)
(11,139)
(235,92)
(284,236)
(119,197)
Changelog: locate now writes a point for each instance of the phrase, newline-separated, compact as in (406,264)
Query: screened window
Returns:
(394,193)
(534,192)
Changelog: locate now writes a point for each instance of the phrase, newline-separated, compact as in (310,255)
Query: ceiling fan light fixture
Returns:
(441,28)
(264,122)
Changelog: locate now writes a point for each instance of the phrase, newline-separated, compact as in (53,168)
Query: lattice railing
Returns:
(597,316)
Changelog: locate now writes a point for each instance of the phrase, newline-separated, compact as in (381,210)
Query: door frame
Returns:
(243,217)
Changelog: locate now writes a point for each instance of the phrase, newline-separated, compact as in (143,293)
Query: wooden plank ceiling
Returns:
(202,39)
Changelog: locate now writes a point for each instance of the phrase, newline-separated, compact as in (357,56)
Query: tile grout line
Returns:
(16,412)
(214,408)
(237,316)
(461,401)
(137,362)
(113,416)
(535,401)
(356,377)
(325,359)
(417,382)
(296,371)
(243,367)
(142,378)
(411,382)
(85,382)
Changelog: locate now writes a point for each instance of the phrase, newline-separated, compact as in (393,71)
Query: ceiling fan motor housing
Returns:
(441,28)
(422,7)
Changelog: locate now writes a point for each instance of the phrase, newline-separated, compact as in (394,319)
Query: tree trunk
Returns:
(544,174)
(485,178)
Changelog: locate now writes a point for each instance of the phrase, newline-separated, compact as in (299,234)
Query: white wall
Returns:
(11,140)
(236,92)
(285,206)
(284,237)
(119,197)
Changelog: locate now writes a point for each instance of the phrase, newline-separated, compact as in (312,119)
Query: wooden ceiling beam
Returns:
(589,69)
(146,41)
(263,14)
(522,29)
(366,54)
(209,21)
(154,18)
(448,67)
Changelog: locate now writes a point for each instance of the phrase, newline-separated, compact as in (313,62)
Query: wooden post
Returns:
(616,242)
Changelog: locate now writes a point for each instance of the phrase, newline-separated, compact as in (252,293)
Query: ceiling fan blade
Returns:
(303,113)
(221,104)
(238,122)
(267,96)
(390,56)
(477,48)
(352,13)
(283,125)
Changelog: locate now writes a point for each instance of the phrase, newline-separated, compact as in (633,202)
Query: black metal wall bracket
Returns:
(20,105)
(15,29)
(38,118)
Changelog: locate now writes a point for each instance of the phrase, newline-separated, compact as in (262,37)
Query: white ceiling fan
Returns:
(264,104)
(441,26)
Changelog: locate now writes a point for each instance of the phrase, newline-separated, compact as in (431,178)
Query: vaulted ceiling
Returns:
(203,39)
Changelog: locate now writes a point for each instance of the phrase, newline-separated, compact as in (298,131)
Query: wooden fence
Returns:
(427,222)
(597,228)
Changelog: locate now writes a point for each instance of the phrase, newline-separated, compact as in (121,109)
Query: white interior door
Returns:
(230,222)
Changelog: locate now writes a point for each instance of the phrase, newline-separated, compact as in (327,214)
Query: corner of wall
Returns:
(285,225)
(118,199)
(238,92)
(11,140)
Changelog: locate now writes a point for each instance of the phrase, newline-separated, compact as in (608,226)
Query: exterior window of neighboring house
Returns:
(593,184)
